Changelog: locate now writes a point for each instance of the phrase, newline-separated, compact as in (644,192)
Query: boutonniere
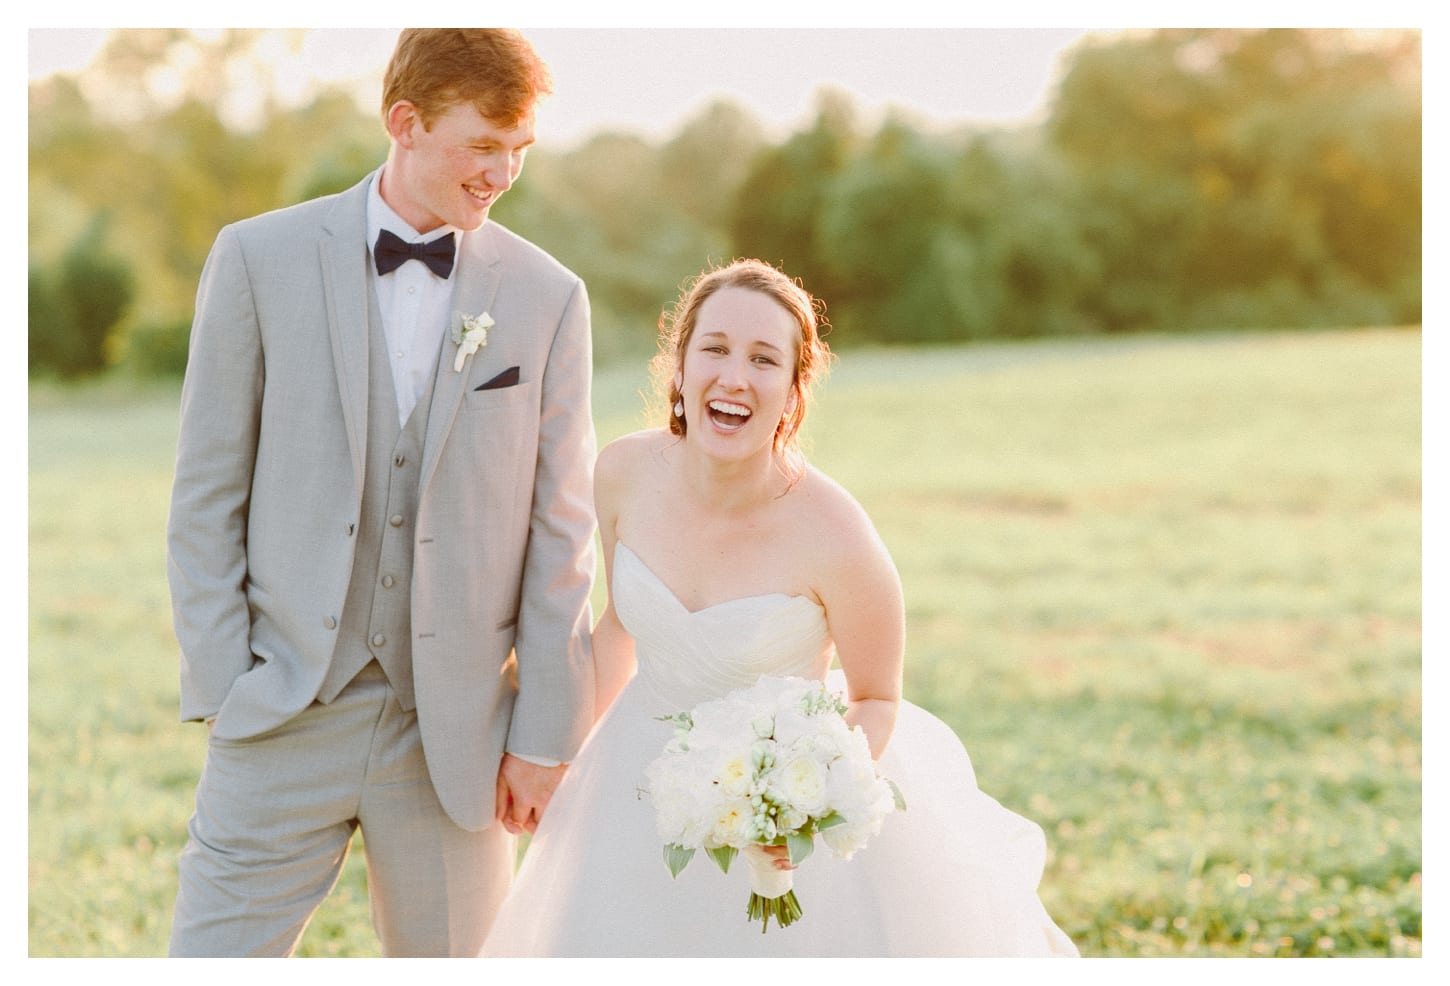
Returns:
(470,334)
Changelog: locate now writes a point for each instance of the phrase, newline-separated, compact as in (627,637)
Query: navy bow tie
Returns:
(390,252)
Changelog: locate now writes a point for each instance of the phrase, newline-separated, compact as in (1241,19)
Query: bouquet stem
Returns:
(785,909)
(771,893)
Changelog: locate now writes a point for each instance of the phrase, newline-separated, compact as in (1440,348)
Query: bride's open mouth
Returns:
(728,416)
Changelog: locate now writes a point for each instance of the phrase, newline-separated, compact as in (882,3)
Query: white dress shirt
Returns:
(416,305)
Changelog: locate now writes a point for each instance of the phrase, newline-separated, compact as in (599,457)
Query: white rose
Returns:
(736,773)
(734,824)
(790,819)
(802,783)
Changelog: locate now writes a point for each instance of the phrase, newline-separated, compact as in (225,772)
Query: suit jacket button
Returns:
(350,529)
(396,520)
(387,581)
(398,460)
(330,623)
(379,640)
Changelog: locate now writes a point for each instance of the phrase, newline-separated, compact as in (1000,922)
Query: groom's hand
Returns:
(524,790)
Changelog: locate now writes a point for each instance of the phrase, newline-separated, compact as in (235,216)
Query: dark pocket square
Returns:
(508,378)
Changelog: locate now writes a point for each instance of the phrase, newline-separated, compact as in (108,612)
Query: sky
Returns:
(651,80)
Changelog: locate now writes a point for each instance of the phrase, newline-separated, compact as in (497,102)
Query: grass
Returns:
(1167,591)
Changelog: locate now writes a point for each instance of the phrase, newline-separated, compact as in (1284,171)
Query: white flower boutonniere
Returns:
(470,334)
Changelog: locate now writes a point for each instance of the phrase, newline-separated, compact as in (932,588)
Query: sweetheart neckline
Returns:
(705,609)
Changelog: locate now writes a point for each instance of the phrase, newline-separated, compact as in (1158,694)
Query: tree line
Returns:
(1182,180)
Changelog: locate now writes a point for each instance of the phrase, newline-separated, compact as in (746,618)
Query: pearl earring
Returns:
(680,409)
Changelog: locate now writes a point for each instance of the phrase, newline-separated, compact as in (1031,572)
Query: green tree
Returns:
(1248,177)
(635,219)
(933,238)
(898,265)
(703,166)
(75,309)
(778,205)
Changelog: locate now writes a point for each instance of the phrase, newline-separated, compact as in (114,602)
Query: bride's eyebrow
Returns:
(757,342)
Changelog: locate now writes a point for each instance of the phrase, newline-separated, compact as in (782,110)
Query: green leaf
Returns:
(800,847)
(896,793)
(830,821)
(677,857)
(723,857)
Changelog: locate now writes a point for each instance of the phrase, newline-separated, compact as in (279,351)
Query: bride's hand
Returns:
(779,855)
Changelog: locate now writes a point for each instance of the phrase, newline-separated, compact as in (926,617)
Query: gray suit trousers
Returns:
(275,815)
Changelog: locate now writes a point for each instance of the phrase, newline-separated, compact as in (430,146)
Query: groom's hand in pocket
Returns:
(523,792)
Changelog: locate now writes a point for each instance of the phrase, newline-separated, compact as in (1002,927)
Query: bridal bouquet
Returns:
(770,765)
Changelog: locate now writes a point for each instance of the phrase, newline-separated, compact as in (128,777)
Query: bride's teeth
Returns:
(727,408)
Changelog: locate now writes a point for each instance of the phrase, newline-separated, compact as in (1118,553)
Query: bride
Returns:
(728,557)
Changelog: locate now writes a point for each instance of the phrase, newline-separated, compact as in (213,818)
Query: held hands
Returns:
(523,792)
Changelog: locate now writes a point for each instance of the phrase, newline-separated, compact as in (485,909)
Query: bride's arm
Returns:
(870,639)
(612,645)
(613,660)
(866,614)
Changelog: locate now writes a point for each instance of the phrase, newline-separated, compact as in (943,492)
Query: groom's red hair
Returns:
(494,69)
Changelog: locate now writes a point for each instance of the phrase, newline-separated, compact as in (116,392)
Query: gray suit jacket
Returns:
(268,489)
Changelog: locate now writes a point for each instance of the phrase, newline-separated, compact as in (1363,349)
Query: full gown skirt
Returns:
(956,874)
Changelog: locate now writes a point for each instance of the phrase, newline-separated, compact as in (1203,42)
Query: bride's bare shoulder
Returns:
(629,450)
(624,458)
(845,548)
(835,519)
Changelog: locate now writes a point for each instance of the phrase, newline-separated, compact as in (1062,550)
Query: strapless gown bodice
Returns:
(686,657)
(956,874)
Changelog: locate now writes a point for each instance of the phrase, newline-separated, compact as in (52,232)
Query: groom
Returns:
(380,542)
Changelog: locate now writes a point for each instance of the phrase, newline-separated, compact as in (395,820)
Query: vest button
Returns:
(396,520)
(387,581)
(330,623)
(379,640)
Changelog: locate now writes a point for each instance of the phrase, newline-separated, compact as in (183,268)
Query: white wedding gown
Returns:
(956,874)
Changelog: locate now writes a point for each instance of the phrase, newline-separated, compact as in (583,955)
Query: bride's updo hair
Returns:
(813,356)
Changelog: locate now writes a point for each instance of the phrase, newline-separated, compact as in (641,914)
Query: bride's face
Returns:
(738,374)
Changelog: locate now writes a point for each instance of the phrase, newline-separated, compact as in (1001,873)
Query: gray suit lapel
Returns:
(478,274)
(344,258)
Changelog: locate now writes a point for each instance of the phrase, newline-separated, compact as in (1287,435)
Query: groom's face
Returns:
(454,169)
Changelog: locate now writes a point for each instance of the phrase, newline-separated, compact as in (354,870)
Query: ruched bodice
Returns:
(686,657)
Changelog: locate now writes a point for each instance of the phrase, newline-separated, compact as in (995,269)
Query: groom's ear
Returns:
(401,120)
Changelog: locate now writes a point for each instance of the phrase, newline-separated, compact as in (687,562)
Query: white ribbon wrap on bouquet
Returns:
(765,879)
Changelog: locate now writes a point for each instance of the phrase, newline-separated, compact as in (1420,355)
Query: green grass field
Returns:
(1167,591)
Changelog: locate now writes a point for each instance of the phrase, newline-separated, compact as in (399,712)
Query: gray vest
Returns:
(376,616)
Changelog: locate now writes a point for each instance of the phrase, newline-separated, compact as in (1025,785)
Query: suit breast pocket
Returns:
(502,381)
(499,399)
